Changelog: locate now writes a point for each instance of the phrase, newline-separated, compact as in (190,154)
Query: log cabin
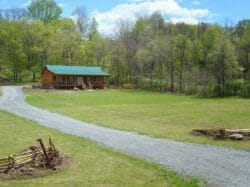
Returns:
(54,76)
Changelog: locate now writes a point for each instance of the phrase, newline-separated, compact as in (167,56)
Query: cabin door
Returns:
(79,80)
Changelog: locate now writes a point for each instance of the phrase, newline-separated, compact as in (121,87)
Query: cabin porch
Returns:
(86,82)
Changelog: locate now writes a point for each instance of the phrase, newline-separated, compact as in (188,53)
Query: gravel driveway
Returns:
(221,166)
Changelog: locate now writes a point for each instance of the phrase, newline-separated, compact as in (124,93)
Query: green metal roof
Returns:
(76,70)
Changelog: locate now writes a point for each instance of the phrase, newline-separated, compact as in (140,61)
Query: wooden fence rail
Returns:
(16,161)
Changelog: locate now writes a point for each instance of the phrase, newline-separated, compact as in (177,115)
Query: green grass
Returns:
(151,113)
(94,164)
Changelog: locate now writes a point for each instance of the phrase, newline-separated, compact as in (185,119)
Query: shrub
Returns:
(207,91)
(245,91)
(234,88)
(237,88)
(191,90)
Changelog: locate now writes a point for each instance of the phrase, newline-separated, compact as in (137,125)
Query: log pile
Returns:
(222,134)
(128,86)
(35,161)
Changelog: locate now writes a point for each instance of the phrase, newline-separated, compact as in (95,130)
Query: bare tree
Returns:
(82,20)
(181,50)
(15,13)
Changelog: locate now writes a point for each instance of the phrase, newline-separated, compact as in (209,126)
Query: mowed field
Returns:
(93,164)
(150,113)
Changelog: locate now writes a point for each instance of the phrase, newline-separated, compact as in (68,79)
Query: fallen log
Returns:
(245,132)
(221,133)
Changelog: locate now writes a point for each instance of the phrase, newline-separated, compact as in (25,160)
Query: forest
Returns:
(151,53)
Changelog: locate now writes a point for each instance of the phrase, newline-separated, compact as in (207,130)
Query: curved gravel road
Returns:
(220,166)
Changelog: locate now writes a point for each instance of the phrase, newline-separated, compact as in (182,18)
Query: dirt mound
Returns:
(36,161)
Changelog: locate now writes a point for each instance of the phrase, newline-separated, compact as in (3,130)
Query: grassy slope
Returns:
(156,114)
(94,164)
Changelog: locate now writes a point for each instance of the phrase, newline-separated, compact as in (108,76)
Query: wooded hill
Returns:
(151,53)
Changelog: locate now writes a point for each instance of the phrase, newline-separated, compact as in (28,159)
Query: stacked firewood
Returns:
(220,133)
(128,86)
(36,156)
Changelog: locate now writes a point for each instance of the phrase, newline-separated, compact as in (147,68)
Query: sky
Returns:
(109,12)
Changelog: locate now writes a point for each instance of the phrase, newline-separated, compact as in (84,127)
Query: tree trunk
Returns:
(172,76)
(14,75)
(219,86)
(161,70)
(247,67)
(117,80)
(44,58)
(181,69)
(34,76)
(180,78)
(151,74)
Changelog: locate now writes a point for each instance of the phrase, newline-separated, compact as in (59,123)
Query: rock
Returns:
(27,87)
(75,88)
(236,136)
(196,133)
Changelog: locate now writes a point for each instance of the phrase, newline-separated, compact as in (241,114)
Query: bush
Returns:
(191,90)
(207,91)
(143,84)
(245,91)
(237,88)
(234,88)
(147,84)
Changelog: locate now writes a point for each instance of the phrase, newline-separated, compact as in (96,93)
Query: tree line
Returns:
(151,53)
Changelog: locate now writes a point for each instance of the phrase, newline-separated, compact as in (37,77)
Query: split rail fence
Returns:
(29,156)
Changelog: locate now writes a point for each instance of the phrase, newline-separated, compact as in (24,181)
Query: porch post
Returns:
(66,81)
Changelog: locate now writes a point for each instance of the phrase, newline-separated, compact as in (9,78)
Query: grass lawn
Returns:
(94,164)
(150,113)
